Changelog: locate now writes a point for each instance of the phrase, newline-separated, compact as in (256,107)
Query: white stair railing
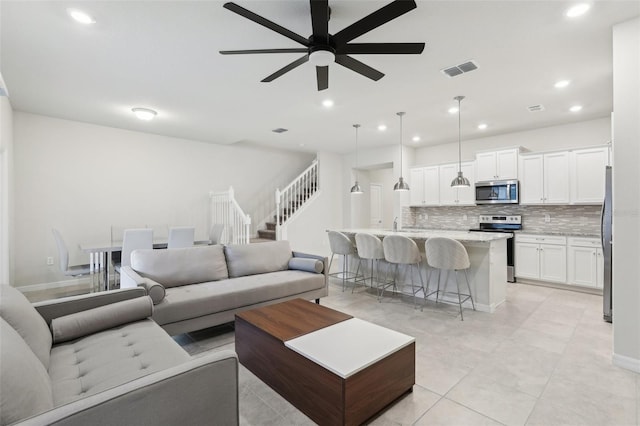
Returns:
(225,210)
(289,199)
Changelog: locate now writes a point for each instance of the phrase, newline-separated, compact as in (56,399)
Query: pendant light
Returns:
(355,189)
(401,185)
(460,181)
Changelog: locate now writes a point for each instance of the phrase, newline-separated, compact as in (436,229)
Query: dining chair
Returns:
(215,233)
(134,239)
(449,254)
(340,244)
(63,258)
(370,248)
(181,236)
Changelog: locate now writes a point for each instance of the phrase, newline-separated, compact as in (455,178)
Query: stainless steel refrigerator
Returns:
(606,219)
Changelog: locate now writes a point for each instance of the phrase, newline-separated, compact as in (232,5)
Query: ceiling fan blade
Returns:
(320,20)
(381,48)
(286,69)
(242,52)
(322,75)
(266,23)
(374,20)
(359,67)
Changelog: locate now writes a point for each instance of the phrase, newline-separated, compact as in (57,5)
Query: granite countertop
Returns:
(423,234)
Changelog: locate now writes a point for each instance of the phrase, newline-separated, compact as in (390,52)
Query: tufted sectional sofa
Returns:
(98,360)
(203,286)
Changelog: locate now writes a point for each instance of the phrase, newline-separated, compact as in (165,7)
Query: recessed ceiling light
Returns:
(578,10)
(561,84)
(453,110)
(327,103)
(81,17)
(382,127)
(482,126)
(145,114)
(416,139)
(575,108)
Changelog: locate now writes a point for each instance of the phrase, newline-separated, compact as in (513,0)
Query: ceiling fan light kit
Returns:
(323,48)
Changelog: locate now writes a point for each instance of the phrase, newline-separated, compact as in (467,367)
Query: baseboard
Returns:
(626,362)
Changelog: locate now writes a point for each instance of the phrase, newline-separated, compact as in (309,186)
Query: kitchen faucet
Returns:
(395,224)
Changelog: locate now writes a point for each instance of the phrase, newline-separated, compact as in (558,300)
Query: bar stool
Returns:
(449,254)
(341,245)
(370,248)
(401,250)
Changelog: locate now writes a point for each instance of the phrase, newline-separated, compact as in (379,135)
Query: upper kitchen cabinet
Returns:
(587,167)
(544,178)
(425,186)
(497,165)
(456,196)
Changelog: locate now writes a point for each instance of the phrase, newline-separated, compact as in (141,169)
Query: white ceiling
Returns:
(164,55)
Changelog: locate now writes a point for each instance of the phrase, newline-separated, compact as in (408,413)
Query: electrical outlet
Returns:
(547,218)
(49,260)
(464,217)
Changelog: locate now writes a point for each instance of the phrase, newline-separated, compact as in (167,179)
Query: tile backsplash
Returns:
(571,220)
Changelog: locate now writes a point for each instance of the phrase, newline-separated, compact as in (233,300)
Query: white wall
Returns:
(626,195)
(564,137)
(6,188)
(308,232)
(82,178)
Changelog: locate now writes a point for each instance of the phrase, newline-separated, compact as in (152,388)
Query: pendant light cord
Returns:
(356,126)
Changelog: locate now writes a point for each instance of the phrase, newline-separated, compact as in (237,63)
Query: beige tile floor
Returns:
(543,358)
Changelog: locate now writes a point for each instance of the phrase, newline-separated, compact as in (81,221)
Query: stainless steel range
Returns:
(488,223)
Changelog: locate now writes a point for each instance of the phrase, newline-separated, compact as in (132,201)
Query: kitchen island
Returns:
(487,254)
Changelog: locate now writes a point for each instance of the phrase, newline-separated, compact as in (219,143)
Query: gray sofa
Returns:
(98,360)
(203,286)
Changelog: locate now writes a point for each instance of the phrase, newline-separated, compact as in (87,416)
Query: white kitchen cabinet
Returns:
(587,167)
(541,257)
(544,178)
(456,196)
(497,165)
(425,186)
(585,262)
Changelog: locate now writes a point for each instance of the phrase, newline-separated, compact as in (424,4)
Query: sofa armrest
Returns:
(323,259)
(130,278)
(201,391)
(55,308)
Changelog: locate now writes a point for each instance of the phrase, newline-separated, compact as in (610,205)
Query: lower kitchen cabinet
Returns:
(585,262)
(541,257)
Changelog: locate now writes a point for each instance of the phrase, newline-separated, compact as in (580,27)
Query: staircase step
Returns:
(271,226)
(260,240)
(267,234)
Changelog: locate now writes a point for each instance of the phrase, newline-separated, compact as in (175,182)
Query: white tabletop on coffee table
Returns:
(349,346)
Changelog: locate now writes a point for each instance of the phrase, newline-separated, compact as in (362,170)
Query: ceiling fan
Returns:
(322,48)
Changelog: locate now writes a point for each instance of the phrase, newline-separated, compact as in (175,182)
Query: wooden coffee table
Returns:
(334,368)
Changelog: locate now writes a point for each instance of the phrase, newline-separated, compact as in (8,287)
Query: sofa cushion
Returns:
(91,321)
(181,266)
(192,301)
(251,259)
(26,388)
(16,310)
(110,358)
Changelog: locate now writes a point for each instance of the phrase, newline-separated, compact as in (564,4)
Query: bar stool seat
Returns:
(449,254)
(401,250)
(340,244)
(370,248)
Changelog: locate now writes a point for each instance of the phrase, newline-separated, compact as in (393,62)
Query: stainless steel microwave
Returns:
(497,192)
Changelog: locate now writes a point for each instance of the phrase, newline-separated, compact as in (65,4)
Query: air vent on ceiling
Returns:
(280,130)
(536,108)
(460,69)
